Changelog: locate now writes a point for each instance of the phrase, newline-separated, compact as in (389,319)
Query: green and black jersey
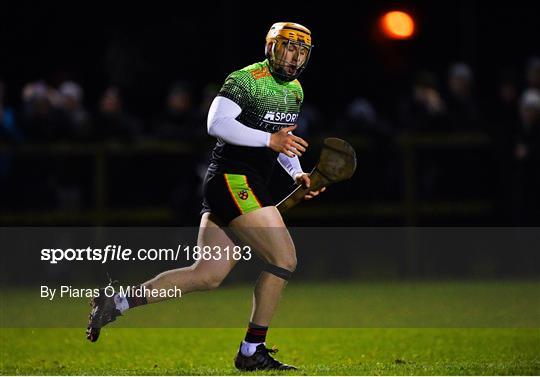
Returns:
(268,105)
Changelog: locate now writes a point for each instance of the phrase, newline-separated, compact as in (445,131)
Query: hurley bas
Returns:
(109,291)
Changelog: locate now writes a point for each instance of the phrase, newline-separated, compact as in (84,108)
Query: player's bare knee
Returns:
(284,260)
(288,262)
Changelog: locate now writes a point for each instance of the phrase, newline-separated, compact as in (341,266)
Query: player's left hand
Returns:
(304,180)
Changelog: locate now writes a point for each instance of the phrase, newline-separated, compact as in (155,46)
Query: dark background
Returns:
(407,175)
(203,42)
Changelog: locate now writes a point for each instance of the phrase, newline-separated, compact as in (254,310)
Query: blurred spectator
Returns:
(533,73)
(423,109)
(41,118)
(503,118)
(182,121)
(527,160)
(203,154)
(179,119)
(529,131)
(463,111)
(112,122)
(8,127)
(48,114)
(505,110)
(360,118)
(310,121)
(8,133)
(76,119)
(208,94)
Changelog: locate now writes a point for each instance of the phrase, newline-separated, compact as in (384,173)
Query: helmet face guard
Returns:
(288,58)
(288,48)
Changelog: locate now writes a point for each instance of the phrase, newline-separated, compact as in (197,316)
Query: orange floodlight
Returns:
(397,25)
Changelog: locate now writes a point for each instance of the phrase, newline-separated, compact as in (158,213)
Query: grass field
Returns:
(411,329)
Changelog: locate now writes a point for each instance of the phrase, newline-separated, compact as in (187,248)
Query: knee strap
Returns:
(280,272)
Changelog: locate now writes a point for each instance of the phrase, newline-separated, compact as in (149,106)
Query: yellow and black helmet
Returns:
(288,48)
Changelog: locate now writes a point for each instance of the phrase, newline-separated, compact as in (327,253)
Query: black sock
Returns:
(255,333)
(134,301)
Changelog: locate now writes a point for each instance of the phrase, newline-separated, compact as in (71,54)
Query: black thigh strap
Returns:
(278,271)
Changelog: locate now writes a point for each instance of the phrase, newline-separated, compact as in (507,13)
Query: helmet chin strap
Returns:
(279,73)
(283,76)
(278,70)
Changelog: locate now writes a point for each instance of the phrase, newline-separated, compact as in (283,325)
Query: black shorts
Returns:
(230,195)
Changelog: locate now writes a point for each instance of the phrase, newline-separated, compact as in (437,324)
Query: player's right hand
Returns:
(284,141)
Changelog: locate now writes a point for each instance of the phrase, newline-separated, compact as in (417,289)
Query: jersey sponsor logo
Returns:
(270,115)
(267,127)
(259,73)
(280,117)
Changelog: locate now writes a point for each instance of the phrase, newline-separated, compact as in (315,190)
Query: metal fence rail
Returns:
(408,208)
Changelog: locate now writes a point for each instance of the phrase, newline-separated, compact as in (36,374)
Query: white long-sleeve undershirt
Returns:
(290,164)
(222,124)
